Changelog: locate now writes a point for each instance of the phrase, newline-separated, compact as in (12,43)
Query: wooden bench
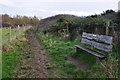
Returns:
(102,45)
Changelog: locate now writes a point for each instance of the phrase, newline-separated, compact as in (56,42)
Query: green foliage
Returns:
(86,58)
(81,73)
(63,27)
(108,12)
(69,28)
(62,23)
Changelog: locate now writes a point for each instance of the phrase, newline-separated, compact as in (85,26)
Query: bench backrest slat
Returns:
(103,47)
(101,38)
(101,42)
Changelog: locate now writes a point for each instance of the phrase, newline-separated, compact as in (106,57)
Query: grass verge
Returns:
(11,58)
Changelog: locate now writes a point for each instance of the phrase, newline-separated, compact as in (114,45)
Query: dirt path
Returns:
(33,60)
(40,59)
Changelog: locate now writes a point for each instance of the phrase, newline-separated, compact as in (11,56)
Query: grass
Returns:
(0,65)
(59,50)
(0,54)
(11,58)
(86,57)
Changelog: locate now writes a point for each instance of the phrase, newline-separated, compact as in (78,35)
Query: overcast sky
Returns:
(46,8)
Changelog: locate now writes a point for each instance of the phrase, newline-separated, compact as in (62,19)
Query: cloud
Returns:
(6,3)
(45,8)
(42,10)
(119,5)
(78,0)
(78,13)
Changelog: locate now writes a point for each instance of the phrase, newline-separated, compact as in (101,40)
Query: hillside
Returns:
(91,24)
(108,14)
(53,19)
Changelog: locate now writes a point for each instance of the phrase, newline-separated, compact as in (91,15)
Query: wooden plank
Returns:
(98,54)
(97,60)
(106,48)
(101,38)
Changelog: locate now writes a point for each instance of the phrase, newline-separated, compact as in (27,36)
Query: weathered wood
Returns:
(95,53)
(10,35)
(101,38)
(100,42)
(97,60)
(100,46)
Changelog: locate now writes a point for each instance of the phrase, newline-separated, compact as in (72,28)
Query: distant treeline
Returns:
(8,21)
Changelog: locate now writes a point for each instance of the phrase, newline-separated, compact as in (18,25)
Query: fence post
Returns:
(24,29)
(10,35)
(18,29)
(107,27)
(16,33)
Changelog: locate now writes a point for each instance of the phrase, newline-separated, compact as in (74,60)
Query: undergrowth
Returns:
(59,50)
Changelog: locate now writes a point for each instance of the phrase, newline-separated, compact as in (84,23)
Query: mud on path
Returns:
(40,58)
(79,64)
(33,61)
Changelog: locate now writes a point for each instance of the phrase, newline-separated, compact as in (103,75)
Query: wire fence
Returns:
(8,34)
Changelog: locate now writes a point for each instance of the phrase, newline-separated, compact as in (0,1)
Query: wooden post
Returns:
(24,28)
(29,27)
(77,50)
(18,26)
(107,27)
(15,33)
(97,60)
(18,29)
(10,35)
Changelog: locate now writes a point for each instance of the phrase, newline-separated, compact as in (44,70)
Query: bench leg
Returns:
(77,49)
(97,60)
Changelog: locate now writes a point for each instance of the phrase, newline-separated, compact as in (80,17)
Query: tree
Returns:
(34,20)
(6,20)
(108,12)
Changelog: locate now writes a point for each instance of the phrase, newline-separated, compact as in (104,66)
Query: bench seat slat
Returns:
(95,53)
